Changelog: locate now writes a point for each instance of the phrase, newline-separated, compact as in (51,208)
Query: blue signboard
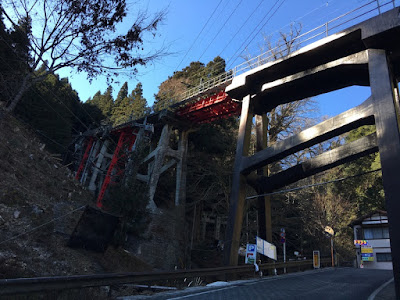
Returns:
(367,255)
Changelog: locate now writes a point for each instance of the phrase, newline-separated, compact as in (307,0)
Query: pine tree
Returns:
(139,105)
(107,102)
(122,94)
(118,111)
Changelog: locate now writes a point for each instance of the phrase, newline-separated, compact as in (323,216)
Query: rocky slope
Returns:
(40,203)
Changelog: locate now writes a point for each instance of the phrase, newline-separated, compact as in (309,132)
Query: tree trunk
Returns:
(24,86)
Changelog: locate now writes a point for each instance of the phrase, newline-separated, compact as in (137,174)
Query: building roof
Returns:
(362,218)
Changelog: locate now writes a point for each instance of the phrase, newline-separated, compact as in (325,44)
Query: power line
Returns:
(296,20)
(241,27)
(222,27)
(199,34)
(263,25)
(312,185)
(42,225)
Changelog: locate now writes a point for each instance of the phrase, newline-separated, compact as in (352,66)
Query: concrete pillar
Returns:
(238,192)
(181,170)
(387,131)
(157,165)
(99,161)
(263,202)
(92,155)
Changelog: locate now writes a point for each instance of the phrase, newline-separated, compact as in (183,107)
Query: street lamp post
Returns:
(330,233)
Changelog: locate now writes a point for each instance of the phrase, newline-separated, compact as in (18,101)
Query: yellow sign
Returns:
(316,260)
(367,250)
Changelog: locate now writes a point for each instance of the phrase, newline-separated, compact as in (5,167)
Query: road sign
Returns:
(251,253)
(283,240)
(360,242)
(283,234)
(265,248)
(363,258)
(367,249)
(316,259)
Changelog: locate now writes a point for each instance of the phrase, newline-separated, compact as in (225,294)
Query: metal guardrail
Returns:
(347,19)
(43,284)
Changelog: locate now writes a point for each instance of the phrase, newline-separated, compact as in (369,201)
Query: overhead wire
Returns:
(42,225)
(204,26)
(252,13)
(313,185)
(200,72)
(241,27)
(222,27)
(254,36)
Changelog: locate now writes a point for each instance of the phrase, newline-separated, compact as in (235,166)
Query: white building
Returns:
(372,241)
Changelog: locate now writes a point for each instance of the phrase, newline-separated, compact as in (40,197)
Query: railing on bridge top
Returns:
(357,15)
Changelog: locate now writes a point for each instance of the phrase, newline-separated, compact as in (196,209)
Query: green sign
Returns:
(367,258)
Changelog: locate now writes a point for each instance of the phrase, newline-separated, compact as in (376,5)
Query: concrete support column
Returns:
(92,155)
(238,192)
(99,161)
(263,202)
(181,170)
(217,227)
(159,155)
(387,131)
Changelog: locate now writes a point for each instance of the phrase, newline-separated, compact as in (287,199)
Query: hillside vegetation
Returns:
(34,190)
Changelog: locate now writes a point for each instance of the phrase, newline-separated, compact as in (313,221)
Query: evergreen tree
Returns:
(171,90)
(118,111)
(107,102)
(122,94)
(79,35)
(14,57)
(132,107)
(139,107)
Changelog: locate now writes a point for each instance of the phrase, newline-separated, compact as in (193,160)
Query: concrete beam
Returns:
(376,32)
(322,162)
(350,119)
(346,71)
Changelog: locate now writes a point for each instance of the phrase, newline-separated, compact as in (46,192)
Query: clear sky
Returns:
(189,34)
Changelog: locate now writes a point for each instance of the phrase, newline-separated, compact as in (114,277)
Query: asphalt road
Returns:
(340,283)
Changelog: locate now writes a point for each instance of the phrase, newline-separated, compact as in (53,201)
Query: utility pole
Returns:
(329,232)
(333,260)
(283,241)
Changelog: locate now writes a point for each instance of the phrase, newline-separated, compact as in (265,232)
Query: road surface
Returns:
(339,283)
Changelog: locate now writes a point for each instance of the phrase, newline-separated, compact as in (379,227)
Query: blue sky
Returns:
(234,25)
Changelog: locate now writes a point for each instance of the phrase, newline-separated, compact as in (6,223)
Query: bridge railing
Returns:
(206,85)
(357,15)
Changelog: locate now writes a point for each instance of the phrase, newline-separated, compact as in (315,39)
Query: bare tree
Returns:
(83,35)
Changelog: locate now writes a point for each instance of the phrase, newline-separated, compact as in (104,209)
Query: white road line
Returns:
(373,295)
(202,293)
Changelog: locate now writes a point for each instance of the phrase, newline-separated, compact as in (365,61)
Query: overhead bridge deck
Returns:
(332,63)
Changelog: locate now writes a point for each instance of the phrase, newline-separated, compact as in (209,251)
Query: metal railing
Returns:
(43,284)
(335,25)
